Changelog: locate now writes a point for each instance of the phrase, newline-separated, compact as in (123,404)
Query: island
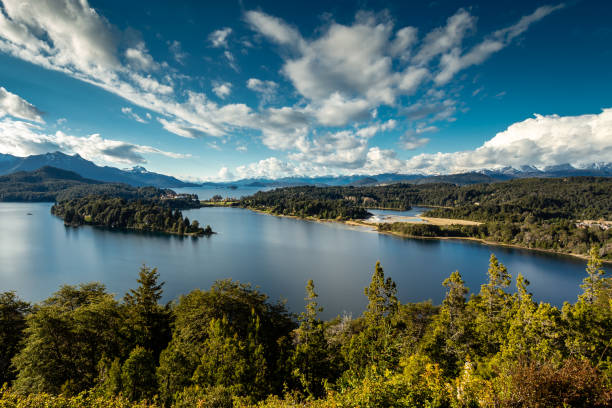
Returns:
(135,215)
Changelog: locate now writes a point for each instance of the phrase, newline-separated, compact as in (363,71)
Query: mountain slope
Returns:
(49,184)
(135,177)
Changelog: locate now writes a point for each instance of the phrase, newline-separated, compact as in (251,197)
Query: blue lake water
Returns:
(38,254)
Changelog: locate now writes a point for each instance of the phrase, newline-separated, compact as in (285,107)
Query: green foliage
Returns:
(373,345)
(66,336)
(149,322)
(118,213)
(312,361)
(50,184)
(533,213)
(12,324)
(138,380)
(231,347)
(241,321)
(451,335)
(491,308)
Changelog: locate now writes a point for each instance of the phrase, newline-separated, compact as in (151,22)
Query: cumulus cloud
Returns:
(225,174)
(71,37)
(444,38)
(222,90)
(265,89)
(271,167)
(22,139)
(13,105)
(218,38)
(543,140)
(342,74)
(349,70)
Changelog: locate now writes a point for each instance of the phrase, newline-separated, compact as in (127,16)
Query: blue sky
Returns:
(225,90)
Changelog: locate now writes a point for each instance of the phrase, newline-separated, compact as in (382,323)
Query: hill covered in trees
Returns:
(50,184)
(137,215)
(230,346)
(532,213)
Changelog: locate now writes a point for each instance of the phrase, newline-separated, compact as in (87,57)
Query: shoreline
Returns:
(374,228)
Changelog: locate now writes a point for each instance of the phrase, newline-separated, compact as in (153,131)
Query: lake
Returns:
(38,254)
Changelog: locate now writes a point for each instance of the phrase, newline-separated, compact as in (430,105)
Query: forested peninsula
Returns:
(231,346)
(142,215)
(565,215)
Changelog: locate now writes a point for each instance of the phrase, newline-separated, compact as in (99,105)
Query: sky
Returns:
(208,90)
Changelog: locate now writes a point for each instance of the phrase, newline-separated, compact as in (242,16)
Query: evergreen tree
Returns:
(594,285)
(382,296)
(147,322)
(13,313)
(451,336)
(589,321)
(65,338)
(311,358)
(491,308)
(535,332)
(374,345)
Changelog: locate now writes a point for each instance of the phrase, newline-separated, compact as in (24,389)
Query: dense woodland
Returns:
(137,215)
(230,346)
(534,213)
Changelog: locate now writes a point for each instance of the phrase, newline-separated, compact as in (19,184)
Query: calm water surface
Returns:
(38,254)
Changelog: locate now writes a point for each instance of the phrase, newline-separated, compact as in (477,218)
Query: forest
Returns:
(136,215)
(531,213)
(231,346)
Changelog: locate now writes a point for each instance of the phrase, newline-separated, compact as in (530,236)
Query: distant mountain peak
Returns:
(138,169)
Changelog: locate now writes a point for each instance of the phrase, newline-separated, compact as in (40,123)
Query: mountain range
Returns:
(139,176)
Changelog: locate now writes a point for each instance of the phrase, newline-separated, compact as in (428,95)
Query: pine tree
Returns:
(451,335)
(374,345)
(594,282)
(311,358)
(148,321)
(382,296)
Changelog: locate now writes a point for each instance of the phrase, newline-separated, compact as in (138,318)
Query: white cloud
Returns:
(349,70)
(403,41)
(231,60)
(266,168)
(13,105)
(454,61)
(266,89)
(177,52)
(409,141)
(343,73)
(22,139)
(225,174)
(222,90)
(539,141)
(139,58)
(71,37)
(338,111)
(218,38)
(274,28)
(133,115)
(444,38)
